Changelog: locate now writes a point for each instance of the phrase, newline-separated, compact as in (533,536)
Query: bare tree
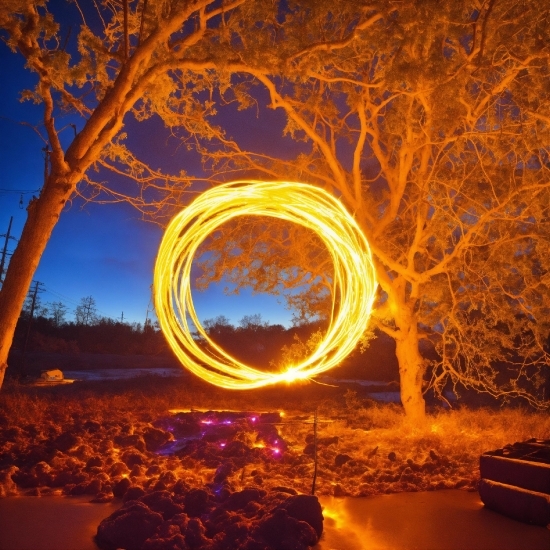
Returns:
(252,322)
(57,311)
(86,312)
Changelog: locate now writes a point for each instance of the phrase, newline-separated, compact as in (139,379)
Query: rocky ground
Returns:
(217,475)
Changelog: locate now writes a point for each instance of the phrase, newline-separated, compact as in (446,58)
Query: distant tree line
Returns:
(253,341)
(46,328)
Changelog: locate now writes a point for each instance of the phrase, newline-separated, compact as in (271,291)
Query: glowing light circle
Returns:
(354,284)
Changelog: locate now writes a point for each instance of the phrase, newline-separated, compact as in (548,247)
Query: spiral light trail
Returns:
(353,290)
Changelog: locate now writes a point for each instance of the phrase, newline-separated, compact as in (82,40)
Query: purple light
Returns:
(227,422)
(276,451)
(253,419)
(206,421)
(222,444)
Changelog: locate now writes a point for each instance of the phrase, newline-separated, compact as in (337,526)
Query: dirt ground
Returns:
(152,435)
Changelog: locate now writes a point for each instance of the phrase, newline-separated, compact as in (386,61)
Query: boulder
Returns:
(280,530)
(305,508)
(128,528)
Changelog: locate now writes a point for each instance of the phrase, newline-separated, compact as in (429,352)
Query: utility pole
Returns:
(122,317)
(35,292)
(5,250)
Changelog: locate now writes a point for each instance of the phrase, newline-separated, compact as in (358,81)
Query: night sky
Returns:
(104,251)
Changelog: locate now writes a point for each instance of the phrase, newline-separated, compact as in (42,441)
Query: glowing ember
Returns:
(353,290)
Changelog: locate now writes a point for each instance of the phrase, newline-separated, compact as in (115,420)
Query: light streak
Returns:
(353,287)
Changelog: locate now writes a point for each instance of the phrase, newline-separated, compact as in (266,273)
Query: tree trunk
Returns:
(411,370)
(43,214)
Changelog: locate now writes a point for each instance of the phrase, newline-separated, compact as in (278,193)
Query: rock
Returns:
(153,470)
(180,521)
(160,486)
(79,489)
(161,502)
(120,487)
(8,487)
(309,449)
(133,440)
(240,499)
(94,461)
(168,478)
(83,452)
(306,508)
(155,438)
(132,457)
(195,534)
(105,446)
(62,478)
(181,425)
(12,434)
(341,459)
(338,491)
(280,530)
(65,441)
(232,536)
(235,449)
(133,493)
(181,487)
(223,471)
(392,457)
(91,426)
(137,470)
(196,502)
(281,489)
(94,487)
(102,498)
(175,542)
(128,527)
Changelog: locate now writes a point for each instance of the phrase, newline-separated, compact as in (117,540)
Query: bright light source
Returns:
(353,291)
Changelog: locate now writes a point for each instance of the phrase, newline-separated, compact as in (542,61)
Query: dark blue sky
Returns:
(105,251)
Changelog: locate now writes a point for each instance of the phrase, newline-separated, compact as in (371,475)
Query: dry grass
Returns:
(385,452)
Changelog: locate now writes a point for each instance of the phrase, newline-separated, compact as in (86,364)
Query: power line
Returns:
(20,191)
(73,302)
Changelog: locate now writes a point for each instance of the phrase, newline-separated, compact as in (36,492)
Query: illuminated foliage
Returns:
(431,121)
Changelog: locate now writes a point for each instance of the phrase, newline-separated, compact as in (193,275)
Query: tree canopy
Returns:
(430,120)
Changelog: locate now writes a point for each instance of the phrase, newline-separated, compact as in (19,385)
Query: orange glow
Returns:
(353,289)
